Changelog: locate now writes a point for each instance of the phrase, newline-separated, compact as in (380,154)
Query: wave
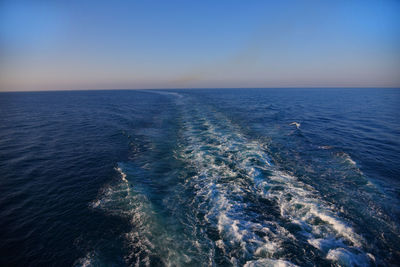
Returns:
(256,210)
(268,263)
(346,157)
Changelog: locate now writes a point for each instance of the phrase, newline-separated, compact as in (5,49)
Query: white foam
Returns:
(347,158)
(123,175)
(86,261)
(340,227)
(318,220)
(297,124)
(269,263)
(351,161)
(303,207)
(346,258)
(224,211)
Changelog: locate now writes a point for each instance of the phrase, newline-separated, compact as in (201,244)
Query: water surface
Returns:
(233,177)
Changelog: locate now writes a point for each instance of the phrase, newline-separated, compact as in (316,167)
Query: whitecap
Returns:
(269,263)
(297,124)
(347,259)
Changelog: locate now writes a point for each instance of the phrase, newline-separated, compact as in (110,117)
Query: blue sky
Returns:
(52,45)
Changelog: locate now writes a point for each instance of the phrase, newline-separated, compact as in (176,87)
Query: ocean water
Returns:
(218,177)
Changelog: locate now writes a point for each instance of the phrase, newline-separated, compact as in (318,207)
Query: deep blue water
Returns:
(200,178)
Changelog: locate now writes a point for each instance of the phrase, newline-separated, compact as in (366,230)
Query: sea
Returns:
(200,177)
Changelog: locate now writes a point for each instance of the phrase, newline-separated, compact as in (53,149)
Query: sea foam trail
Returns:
(253,212)
(150,241)
(119,200)
(153,239)
(232,205)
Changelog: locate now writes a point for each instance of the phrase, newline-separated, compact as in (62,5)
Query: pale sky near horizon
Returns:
(67,45)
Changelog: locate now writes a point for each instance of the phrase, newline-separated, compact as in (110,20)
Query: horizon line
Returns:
(200,88)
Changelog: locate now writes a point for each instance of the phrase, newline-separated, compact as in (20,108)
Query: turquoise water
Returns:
(222,177)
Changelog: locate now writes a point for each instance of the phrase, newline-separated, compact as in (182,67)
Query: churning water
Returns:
(241,177)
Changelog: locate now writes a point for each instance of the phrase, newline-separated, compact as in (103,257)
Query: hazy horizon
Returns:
(70,45)
(189,88)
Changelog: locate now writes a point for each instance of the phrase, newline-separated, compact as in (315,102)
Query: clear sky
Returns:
(51,45)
